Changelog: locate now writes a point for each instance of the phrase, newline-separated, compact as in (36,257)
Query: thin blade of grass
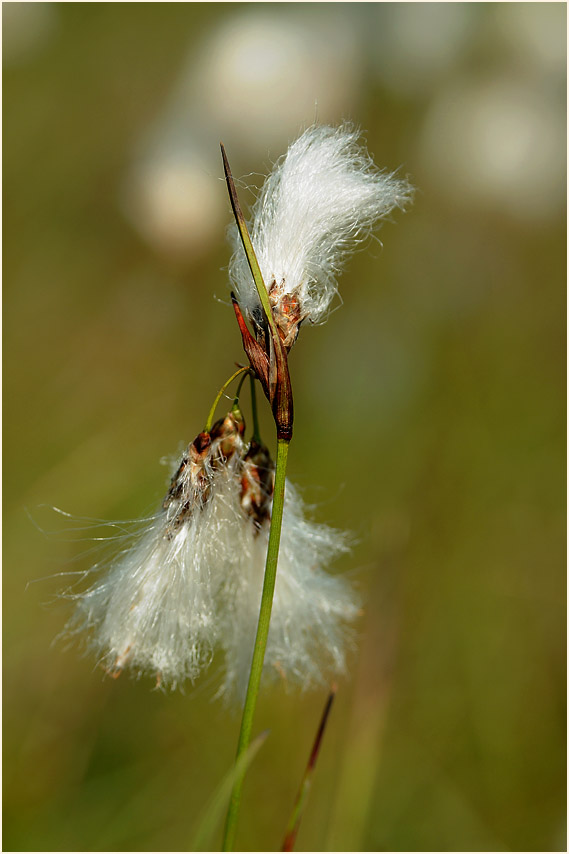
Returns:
(300,803)
(276,382)
(218,804)
(246,240)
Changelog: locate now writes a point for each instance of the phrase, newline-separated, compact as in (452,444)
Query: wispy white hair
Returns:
(154,612)
(155,609)
(321,199)
(309,634)
(191,583)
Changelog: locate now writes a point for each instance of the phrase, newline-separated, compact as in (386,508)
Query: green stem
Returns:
(238,392)
(261,638)
(256,430)
(209,422)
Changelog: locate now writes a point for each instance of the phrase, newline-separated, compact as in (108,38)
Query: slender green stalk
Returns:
(256,430)
(210,417)
(238,392)
(260,640)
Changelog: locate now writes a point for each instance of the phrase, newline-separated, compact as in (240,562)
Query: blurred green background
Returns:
(430,411)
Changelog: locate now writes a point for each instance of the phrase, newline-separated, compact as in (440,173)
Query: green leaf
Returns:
(218,803)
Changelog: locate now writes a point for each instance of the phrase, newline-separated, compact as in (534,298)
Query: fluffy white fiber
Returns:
(155,611)
(322,199)
(191,583)
(309,633)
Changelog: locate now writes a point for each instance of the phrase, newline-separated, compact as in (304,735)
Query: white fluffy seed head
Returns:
(322,199)
(310,632)
(191,583)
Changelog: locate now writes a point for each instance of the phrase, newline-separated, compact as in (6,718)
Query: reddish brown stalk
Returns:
(294,823)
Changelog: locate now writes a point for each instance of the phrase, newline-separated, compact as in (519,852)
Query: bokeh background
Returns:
(430,410)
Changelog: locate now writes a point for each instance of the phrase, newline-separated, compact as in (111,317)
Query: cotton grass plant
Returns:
(202,577)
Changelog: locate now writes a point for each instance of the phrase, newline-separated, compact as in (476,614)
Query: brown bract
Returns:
(286,312)
(257,484)
(268,358)
(190,487)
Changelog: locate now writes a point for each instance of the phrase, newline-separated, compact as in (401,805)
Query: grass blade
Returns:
(300,803)
(218,804)
(246,240)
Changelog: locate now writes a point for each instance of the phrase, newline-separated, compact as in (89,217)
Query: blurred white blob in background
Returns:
(26,29)
(259,79)
(413,44)
(497,143)
(172,199)
(266,74)
(492,138)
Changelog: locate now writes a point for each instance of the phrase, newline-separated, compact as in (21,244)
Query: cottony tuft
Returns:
(191,584)
(321,200)
(156,609)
